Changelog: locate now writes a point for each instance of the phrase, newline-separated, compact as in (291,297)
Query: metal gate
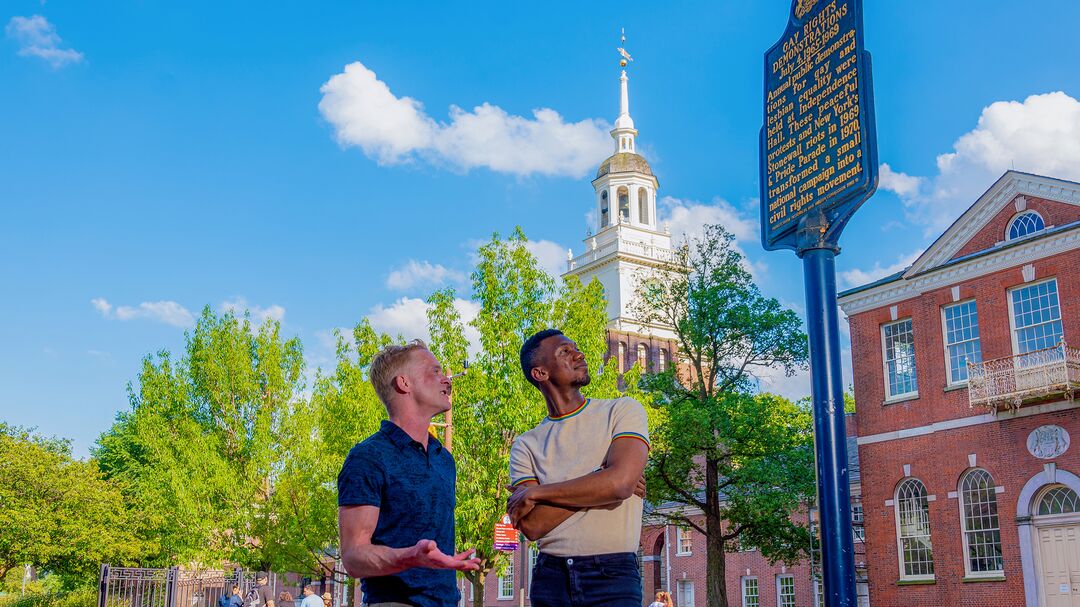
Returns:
(172,587)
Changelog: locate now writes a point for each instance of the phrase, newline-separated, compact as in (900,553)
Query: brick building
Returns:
(964,383)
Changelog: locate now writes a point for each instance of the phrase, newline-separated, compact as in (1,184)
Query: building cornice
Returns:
(915,284)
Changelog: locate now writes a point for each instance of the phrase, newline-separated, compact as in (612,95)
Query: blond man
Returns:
(396,490)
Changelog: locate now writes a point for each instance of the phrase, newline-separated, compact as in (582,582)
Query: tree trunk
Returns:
(478,580)
(715,566)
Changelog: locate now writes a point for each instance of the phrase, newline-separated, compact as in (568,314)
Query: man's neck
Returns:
(561,401)
(414,424)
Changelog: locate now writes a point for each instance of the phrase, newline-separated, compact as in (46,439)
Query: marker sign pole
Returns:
(818,164)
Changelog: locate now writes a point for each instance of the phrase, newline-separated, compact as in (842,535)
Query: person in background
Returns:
(262,595)
(310,598)
(327,599)
(232,599)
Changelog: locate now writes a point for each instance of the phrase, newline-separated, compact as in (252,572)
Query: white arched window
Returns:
(643,358)
(1059,499)
(1024,224)
(604,212)
(913,531)
(622,357)
(979,523)
(662,360)
(643,205)
(624,204)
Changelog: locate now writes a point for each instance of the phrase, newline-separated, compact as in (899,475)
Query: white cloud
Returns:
(1039,135)
(102,306)
(550,255)
(686,218)
(423,274)
(168,312)
(407,317)
(901,184)
(391,129)
(858,277)
(37,37)
(259,315)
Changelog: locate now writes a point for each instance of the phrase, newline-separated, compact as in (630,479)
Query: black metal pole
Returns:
(830,437)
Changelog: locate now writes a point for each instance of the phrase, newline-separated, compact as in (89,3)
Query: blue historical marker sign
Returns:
(818,145)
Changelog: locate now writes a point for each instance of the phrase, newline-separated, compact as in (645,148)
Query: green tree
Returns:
(58,514)
(744,459)
(342,410)
(493,403)
(201,449)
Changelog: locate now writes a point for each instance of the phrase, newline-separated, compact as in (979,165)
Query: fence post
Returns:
(103,585)
(170,586)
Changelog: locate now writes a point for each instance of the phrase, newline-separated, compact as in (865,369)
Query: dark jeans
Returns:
(599,580)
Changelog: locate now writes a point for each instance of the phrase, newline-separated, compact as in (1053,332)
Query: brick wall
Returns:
(939,455)
(990,293)
(1053,213)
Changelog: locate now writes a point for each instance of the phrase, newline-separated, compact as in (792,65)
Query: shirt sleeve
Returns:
(361,480)
(629,421)
(522,469)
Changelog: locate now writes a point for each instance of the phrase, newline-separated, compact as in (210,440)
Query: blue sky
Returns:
(161,157)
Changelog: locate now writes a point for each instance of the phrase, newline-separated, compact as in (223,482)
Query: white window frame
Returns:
(757,590)
(682,588)
(961,500)
(1015,218)
(889,396)
(952,381)
(1012,312)
(819,593)
(899,539)
(860,535)
(508,576)
(780,579)
(680,535)
(534,555)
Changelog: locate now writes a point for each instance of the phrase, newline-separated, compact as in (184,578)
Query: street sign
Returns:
(818,164)
(506,537)
(818,144)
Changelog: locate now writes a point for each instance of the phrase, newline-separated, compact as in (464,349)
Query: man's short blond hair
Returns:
(388,364)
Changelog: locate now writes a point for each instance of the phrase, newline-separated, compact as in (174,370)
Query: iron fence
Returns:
(172,587)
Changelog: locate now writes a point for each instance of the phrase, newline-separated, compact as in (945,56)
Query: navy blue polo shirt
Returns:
(414,490)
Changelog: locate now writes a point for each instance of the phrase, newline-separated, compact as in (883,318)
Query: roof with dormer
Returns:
(960,253)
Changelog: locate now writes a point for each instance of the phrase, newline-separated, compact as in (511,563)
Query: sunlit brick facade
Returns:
(971,492)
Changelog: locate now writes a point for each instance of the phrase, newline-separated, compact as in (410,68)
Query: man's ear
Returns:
(539,374)
(401,384)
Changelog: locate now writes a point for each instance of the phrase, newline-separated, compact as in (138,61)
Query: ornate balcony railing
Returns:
(1015,380)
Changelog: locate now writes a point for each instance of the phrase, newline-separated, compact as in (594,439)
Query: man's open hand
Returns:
(426,553)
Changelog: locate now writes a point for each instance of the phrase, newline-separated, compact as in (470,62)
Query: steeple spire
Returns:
(624,131)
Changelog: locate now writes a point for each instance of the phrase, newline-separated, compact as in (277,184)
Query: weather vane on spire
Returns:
(622,51)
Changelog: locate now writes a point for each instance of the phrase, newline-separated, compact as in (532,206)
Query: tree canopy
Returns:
(58,513)
(744,458)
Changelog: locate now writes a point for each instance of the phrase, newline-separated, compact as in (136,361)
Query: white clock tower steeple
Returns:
(627,246)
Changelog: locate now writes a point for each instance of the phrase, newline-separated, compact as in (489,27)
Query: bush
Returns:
(83,597)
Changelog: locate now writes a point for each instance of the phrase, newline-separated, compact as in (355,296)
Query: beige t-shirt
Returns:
(571,446)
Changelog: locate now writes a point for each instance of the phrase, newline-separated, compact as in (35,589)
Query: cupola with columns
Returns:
(625,244)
